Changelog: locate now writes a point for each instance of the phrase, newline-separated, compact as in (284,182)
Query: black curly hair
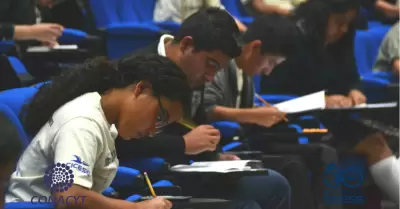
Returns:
(100,75)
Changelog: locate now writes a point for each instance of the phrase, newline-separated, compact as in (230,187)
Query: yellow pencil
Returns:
(149,184)
(187,125)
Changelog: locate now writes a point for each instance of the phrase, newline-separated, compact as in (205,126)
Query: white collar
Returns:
(161,44)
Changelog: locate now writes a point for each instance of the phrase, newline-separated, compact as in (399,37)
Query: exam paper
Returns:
(309,102)
(47,49)
(216,166)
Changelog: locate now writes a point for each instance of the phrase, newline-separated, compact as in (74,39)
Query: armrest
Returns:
(147,164)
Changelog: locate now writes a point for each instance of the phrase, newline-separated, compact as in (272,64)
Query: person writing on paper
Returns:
(383,165)
(78,124)
(388,56)
(10,149)
(204,44)
(325,56)
(230,96)
(179,10)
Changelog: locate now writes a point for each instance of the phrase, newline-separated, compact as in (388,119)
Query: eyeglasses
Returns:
(162,117)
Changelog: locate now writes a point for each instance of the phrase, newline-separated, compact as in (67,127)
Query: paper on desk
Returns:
(215,166)
(309,102)
(47,49)
(377,105)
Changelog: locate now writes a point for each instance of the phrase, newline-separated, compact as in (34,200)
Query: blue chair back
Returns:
(8,115)
(106,12)
(17,98)
(144,10)
(19,68)
(235,8)
(366,47)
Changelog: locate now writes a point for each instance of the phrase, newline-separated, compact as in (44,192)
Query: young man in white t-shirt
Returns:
(75,120)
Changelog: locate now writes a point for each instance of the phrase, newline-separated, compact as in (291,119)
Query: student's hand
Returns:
(338,101)
(227,157)
(45,33)
(201,139)
(267,116)
(156,203)
(357,97)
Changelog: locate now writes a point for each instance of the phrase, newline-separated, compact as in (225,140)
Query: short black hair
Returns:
(211,29)
(278,34)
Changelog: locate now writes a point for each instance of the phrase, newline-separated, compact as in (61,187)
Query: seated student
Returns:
(325,57)
(178,10)
(204,44)
(46,33)
(387,11)
(230,96)
(383,165)
(11,148)
(77,117)
(388,56)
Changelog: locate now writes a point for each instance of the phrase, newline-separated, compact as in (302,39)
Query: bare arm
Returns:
(240,25)
(80,198)
(389,9)
(265,8)
(396,67)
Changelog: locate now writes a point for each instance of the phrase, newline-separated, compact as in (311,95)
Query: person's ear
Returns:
(185,44)
(142,87)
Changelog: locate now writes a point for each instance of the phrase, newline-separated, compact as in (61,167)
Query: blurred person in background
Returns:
(179,10)
(257,7)
(388,56)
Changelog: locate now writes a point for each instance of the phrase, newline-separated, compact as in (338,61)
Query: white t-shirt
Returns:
(78,136)
(386,175)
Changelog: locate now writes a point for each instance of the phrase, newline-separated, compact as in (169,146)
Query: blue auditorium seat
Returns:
(72,36)
(10,116)
(143,12)
(28,205)
(236,8)
(366,47)
(19,68)
(5,46)
(145,164)
(124,33)
(17,98)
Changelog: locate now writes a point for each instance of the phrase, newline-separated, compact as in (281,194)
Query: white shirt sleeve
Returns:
(76,144)
(386,175)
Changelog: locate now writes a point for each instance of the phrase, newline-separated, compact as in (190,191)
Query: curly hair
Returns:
(100,75)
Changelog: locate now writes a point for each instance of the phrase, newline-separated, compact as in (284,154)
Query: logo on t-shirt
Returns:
(59,177)
(79,161)
(79,164)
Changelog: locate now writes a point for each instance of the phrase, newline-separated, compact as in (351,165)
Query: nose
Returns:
(209,77)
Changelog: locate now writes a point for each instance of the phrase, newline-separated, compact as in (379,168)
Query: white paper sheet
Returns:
(47,49)
(215,166)
(376,105)
(309,102)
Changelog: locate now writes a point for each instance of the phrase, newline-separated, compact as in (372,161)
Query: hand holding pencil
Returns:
(156,202)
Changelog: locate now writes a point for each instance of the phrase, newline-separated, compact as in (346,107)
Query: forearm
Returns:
(86,199)
(22,32)
(389,9)
(220,113)
(396,66)
(268,9)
